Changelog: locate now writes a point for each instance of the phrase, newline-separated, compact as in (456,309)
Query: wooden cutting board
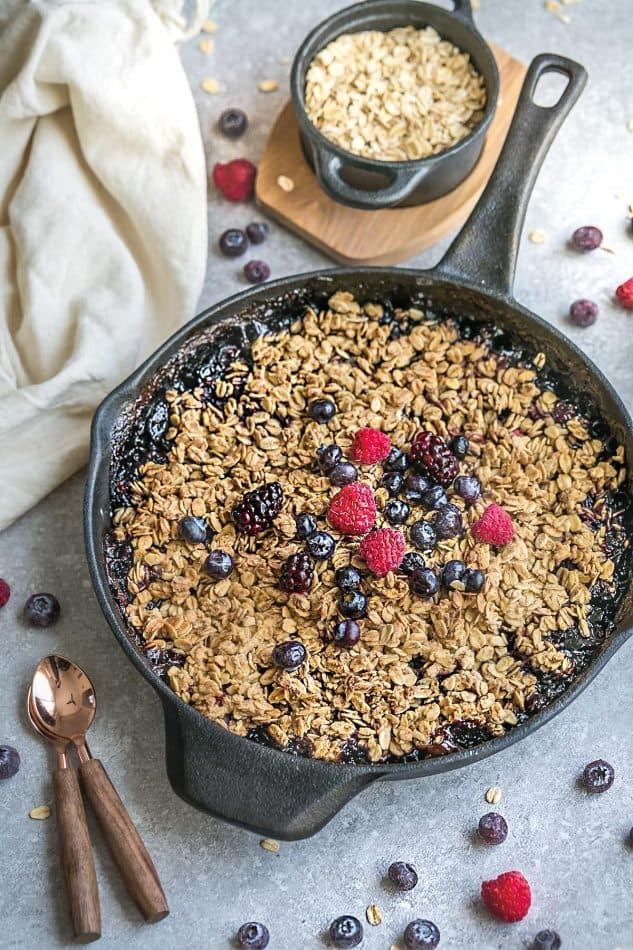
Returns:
(353,236)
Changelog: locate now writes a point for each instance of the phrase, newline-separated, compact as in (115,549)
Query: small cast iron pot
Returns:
(264,789)
(369,183)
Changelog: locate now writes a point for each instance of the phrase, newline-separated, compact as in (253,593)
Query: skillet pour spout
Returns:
(251,785)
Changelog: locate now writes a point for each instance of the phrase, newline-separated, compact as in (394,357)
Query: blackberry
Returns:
(432,456)
(412,562)
(348,578)
(396,461)
(328,456)
(396,511)
(493,828)
(403,875)
(346,633)
(423,535)
(289,655)
(297,574)
(257,509)
(321,545)
(306,525)
(459,447)
(392,481)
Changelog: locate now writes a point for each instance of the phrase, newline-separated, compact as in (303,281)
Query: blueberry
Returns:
(346,931)
(404,876)
(473,580)
(343,473)
(219,565)
(546,940)
(353,604)
(233,123)
(396,461)
(587,238)
(396,511)
(346,633)
(392,481)
(493,828)
(467,487)
(320,545)
(434,498)
(448,522)
(289,655)
(41,610)
(412,562)
(233,242)
(583,313)
(415,486)
(598,776)
(453,574)
(253,936)
(9,761)
(423,535)
(256,271)
(257,232)
(459,446)
(348,578)
(421,935)
(328,456)
(424,582)
(193,530)
(306,525)
(322,410)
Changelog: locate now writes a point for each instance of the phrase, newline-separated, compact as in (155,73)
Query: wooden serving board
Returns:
(353,236)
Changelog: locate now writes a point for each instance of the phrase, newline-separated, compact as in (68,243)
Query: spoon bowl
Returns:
(62,699)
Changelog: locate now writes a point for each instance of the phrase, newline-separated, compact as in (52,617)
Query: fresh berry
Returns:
(508,896)
(421,935)
(424,582)
(493,828)
(583,313)
(41,610)
(193,530)
(257,232)
(453,575)
(598,776)
(403,875)
(257,509)
(370,445)
(547,940)
(587,238)
(297,574)
(383,550)
(321,545)
(348,578)
(396,461)
(5,592)
(448,522)
(624,293)
(343,473)
(289,655)
(346,633)
(467,487)
(423,535)
(9,761)
(219,565)
(236,179)
(253,936)
(415,486)
(233,242)
(473,580)
(432,457)
(233,123)
(353,509)
(434,498)
(346,931)
(256,271)
(495,526)
(392,481)
(328,456)
(396,511)
(353,604)
(412,562)
(322,410)
(459,447)
(306,525)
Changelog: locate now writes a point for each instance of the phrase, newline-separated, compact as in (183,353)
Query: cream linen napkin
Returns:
(103,231)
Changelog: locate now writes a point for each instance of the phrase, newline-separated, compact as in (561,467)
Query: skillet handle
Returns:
(485,251)
(263,790)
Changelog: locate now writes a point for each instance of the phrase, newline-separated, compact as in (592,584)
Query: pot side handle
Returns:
(272,793)
(485,250)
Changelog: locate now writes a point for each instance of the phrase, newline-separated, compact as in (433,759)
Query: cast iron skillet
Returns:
(270,791)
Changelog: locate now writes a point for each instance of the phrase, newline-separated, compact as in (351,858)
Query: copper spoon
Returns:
(74,840)
(65,699)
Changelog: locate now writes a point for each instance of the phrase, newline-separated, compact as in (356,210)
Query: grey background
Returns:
(570,846)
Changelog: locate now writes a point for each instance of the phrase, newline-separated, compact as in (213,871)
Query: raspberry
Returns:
(370,445)
(508,897)
(624,293)
(297,574)
(495,526)
(383,550)
(432,457)
(257,509)
(5,592)
(353,509)
(236,179)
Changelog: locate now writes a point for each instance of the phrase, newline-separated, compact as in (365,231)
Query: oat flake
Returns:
(285,183)
(268,85)
(206,45)
(374,917)
(269,844)
(537,236)
(212,86)
(209,26)
(493,795)
(40,813)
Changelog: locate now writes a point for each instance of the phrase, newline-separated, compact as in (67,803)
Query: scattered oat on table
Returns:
(285,183)
(493,795)
(269,844)
(268,85)
(629,125)
(209,26)
(206,46)
(40,812)
(374,917)
(283,60)
(212,86)
(537,236)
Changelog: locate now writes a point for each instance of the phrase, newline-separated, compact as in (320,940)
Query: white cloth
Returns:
(103,230)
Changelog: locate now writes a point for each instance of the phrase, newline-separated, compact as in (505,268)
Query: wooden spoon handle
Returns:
(77,859)
(124,842)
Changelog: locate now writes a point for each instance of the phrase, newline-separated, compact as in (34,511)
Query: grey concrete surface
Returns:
(571,846)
